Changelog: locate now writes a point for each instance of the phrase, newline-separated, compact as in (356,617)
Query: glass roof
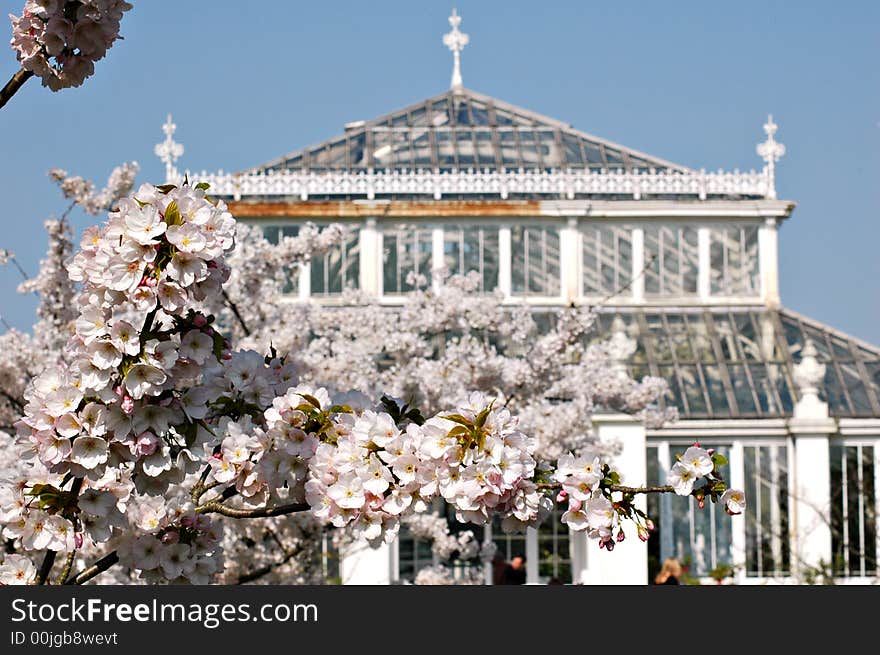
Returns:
(462,130)
(737,363)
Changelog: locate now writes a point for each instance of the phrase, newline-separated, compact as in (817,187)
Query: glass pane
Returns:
(471,248)
(607,259)
(535,265)
(733,254)
(338,269)
(406,252)
(671,261)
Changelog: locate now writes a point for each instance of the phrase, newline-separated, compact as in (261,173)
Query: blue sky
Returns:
(687,81)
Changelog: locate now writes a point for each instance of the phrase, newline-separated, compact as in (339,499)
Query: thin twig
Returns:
(13,85)
(68,565)
(256,574)
(235,311)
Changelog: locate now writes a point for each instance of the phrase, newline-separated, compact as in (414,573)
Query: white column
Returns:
(628,563)
(305,281)
(488,571)
(811,520)
(638,264)
(436,255)
(504,261)
(768,258)
(569,260)
(577,545)
(738,527)
(532,556)
(362,565)
(704,261)
(811,426)
(370,258)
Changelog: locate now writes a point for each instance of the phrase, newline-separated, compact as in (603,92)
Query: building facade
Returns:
(683,267)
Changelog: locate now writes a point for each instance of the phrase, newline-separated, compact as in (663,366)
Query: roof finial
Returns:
(169,151)
(455,41)
(770,151)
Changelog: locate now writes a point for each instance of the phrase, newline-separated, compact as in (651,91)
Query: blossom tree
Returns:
(59,41)
(152,427)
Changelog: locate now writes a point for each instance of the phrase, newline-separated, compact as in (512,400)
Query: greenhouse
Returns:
(682,266)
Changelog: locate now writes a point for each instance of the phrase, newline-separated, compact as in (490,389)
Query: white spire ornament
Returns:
(455,41)
(770,151)
(169,151)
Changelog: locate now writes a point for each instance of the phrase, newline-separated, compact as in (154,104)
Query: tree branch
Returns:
(214,507)
(13,85)
(553,486)
(256,574)
(95,569)
(46,567)
(235,311)
(13,400)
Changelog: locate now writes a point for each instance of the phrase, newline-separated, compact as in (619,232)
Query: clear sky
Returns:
(687,81)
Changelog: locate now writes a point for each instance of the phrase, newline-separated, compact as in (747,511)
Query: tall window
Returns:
(469,248)
(607,259)
(554,558)
(406,251)
(700,538)
(535,265)
(273,234)
(734,261)
(853,510)
(414,555)
(766,516)
(338,269)
(671,261)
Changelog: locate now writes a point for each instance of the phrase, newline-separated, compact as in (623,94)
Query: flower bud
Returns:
(561,496)
(170,537)
(199,320)
(621,536)
(78,539)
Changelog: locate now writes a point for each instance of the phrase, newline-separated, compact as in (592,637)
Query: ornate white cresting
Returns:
(455,41)
(169,151)
(807,376)
(770,151)
(620,346)
(556,183)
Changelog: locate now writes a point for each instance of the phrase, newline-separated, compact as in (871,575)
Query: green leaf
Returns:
(165,188)
(482,416)
(719,460)
(341,409)
(458,418)
(203,185)
(312,400)
(172,214)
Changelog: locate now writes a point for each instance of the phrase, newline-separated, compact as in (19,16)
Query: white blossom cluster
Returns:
(438,574)
(697,464)
(373,473)
(111,418)
(586,479)
(444,544)
(60,40)
(82,191)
